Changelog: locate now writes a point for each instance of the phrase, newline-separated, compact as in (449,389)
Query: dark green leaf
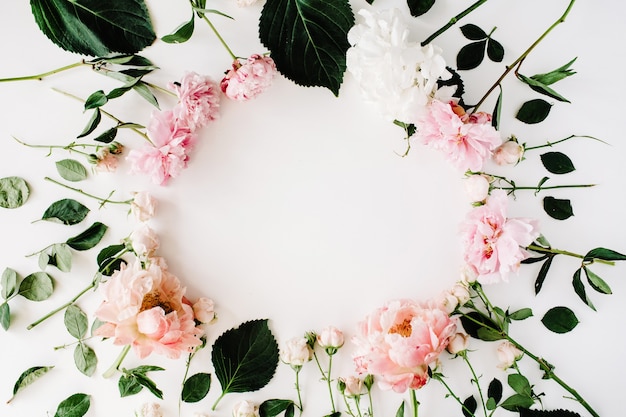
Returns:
(144,369)
(308,39)
(495,390)
(36,286)
(272,408)
(559,209)
(66,211)
(196,387)
(560,320)
(419,7)
(469,406)
(142,89)
(521,314)
(604,254)
(28,377)
(543,273)
(75,321)
(73,406)
(107,136)
(534,111)
(495,50)
(181,34)
(497,111)
(150,385)
(93,27)
(14,192)
(541,88)
(71,170)
(547,413)
(473,32)
(108,259)
(128,385)
(471,55)
(557,162)
(245,358)
(596,282)
(96,99)
(89,238)
(516,402)
(579,289)
(5,315)
(85,359)
(94,121)
(400,411)
(556,75)
(471,321)
(8,282)
(520,384)
(489,335)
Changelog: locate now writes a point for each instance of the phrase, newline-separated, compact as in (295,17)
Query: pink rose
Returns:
(144,241)
(247,80)
(493,244)
(151,410)
(144,308)
(508,354)
(352,386)
(456,296)
(198,100)
(204,310)
(143,206)
(465,142)
(509,153)
(330,339)
(296,352)
(477,187)
(106,161)
(458,343)
(398,341)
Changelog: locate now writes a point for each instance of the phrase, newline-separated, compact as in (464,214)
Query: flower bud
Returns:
(150,410)
(245,409)
(509,153)
(296,352)
(204,310)
(508,354)
(143,206)
(477,187)
(144,241)
(116,148)
(351,386)
(330,339)
(458,343)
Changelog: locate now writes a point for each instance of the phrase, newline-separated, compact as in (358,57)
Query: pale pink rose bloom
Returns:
(144,308)
(143,206)
(494,244)
(172,141)
(330,337)
(107,162)
(353,386)
(477,187)
(144,241)
(245,409)
(204,310)
(151,410)
(458,343)
(508,354)
(398,341)
(247,80)
(245,3)
(451,298)
(509,153)
(296,352)
(198,100)
(465,144)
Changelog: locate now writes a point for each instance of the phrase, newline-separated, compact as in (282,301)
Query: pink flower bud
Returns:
(352,386)
(509,153)
(144,241)
(477,187)
(458,343)
(508,354)
(330,337)
(143,206)
(204,310)
(296,352)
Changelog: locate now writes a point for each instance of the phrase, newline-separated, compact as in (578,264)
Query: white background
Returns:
(297,207)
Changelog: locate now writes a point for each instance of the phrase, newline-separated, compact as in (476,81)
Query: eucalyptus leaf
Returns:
(471,55)
(5,315)
(89,238)
(245,358)
(85,359)
(533,111)
(66,211)
(495,50)
(14,192)
(273,407)
(196,387)
(93,27)
(8,282)
(75,405)
(71,170)
(596,282)
(557,162)
(181,34)
(308,39)
(92,124)
(37,286)
(560,319)
(560,209)
(75,321)
(419,7)
(469,406)
(473,32)
(579,289)
(28,377)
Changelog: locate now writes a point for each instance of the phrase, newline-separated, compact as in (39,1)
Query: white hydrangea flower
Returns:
(396,74)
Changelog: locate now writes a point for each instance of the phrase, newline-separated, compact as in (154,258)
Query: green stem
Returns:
(56,310)
(414,403)
(300,407)
(44,74)
(453,21)
(326,377)
(116,364)
(371,403)
(438,378)
(541,249)
(523,56)
(71,147)
(224,44)
(475,379)
(550,144)
(95,197)
(551,187)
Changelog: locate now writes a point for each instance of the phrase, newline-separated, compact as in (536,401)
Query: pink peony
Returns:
(172,140)
(198,100)
(493,244)
(248,80)
(467,141)
(144,308)
(398,342)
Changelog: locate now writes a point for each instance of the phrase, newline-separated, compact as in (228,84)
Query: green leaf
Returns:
(596,282)
(108,259)
(533,111)
(85,359)
(150,385)
(308,39)
(245,358)
(181,34)
(516,402)
(5,315)
(142,89)
(58,255)
(196,387)
(66,211)
(75,321)
(471,325)
(497,111)
(14,192)
(28,377)
(273,407)
(107,136)
(579,289)
(36,286)
(128,385)
(547,413)
(473,32)
(489,335)
(71,170)
(419,7)
(94,121)
(604,254)
(559,209)
(556,75)
(400,410)
(541,88)
(89,238)
(557,162)
(75,405)
(520,384)
(469,406)
(471,55)
(495,50)
(96,99)
(8,282)
(521,314)
(560,320)
(93,27)
(495,390)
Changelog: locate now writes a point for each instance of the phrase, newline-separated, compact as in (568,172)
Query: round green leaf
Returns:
(560,320)
(8,283)
(469,406)
(534,111)
(71,170)
(557,162)
(37,286)
(14,192)
(471,55)
(196,387)
(559,209)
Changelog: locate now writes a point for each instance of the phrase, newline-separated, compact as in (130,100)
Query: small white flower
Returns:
(245,409)
(150,410)
(477,187)
(296,352)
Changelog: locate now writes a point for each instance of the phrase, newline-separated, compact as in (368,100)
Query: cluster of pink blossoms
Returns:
(248,79)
